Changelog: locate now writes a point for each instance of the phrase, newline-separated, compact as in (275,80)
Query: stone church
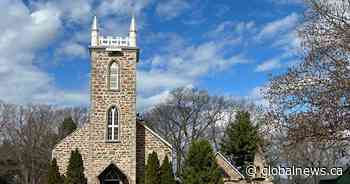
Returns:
(114,144)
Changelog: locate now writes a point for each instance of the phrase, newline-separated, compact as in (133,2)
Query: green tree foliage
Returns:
(166,172)
(67,127)
(75,171)
(152,174)
(54,176)
(240,140)
(200,165)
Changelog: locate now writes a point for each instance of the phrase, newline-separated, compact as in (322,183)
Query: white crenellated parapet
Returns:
(113,41)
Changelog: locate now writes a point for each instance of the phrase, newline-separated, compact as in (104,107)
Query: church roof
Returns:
(141,122)
(230,164)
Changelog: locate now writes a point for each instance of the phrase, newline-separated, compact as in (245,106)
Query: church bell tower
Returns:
(113,102)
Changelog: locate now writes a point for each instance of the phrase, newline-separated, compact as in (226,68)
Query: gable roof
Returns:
(155,134)
(230,164)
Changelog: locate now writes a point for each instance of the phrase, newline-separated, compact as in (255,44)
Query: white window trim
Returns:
(109,76)
(114,124)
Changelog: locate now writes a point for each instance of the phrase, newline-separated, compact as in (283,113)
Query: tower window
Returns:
(113,76)
(112,124)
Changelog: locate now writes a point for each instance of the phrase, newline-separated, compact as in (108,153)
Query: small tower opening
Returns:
(115,53)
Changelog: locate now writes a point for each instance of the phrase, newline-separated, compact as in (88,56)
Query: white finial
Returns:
(133,24)
(132,32)
(94,24)
(94,32)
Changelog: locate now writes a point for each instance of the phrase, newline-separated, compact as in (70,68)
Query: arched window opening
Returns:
(113,76)
(112,124)
(112,175)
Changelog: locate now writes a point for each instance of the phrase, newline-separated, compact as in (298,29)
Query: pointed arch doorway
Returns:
(112,175)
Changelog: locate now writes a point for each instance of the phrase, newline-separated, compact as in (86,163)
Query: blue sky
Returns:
(226,47)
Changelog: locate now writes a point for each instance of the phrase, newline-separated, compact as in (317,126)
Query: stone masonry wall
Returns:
(79,139)
(123,152)
(147,142)
(135,142)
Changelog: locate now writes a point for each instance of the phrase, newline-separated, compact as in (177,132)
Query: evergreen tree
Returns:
(166,172)
(75,170)
(152,174)
(200,165)
(240,141)
(67,127)
(54,176)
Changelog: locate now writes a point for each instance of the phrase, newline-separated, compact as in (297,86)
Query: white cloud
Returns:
(268,65)
(195,21)
(122,7)
(173,41)
(24,33)
(257,96)
(184,66)
(77,11)
(72,49)
(289,42)
(242,27)
(63,97)
(279,26)
(280,34)
(196,61)
(27,30)
(169,9)
(223,26)
(182,63)
(233,33)
(117,27)
(153,81)
(144,103)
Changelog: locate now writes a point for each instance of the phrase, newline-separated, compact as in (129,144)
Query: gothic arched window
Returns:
(113,76)
(112,124)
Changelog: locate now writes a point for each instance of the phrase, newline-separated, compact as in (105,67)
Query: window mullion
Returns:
(113,123)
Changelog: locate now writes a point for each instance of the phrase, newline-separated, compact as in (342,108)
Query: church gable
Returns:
(79,139)
(154,135)
(230,173)
(148,141)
